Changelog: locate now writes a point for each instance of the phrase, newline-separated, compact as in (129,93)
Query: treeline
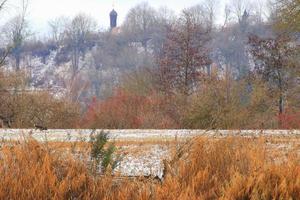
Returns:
(159,70)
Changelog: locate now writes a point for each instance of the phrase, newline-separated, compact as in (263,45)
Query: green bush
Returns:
(102,152)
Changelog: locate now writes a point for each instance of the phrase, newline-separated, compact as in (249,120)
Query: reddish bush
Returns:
(126,110)
(289,120)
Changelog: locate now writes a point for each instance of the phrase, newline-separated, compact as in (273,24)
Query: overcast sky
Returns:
(40,12)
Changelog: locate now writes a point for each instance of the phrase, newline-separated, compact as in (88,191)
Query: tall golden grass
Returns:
(229,168)
(232,168)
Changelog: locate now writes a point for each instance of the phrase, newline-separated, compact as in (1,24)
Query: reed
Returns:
(228,168)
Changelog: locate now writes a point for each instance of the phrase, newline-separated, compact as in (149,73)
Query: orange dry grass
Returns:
(33,171)
(230,168)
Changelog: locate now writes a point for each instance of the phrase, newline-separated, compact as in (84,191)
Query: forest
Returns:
(156,70)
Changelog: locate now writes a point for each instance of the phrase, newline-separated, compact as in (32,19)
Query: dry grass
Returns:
(232,168)
(229,168)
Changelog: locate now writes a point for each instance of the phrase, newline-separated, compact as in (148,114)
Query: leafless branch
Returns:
(2,4)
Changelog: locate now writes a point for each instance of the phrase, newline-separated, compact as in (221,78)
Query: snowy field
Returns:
(72,135)
(146,149)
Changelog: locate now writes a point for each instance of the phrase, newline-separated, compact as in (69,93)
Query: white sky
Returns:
(41,11)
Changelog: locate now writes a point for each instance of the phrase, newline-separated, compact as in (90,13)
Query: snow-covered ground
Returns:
(145,149)
(72,135)
(147,162)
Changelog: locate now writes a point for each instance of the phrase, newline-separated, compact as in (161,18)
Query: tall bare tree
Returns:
(273,59)
(17,31)
(165,18)
(204,14)
(58,29)
(4,52)
(185,56)
(238,7)
(139,24)
(78,32)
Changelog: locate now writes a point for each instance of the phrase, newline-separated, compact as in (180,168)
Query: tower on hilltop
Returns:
(113,19)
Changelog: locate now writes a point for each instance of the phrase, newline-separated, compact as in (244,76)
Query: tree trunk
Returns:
(281,104)
(17,63)
(281,108)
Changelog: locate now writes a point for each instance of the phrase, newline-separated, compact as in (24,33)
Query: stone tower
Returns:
(113,18)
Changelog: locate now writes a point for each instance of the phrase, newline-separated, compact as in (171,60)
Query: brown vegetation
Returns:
(23,108)
(218,103)
(127,110)
(230,168)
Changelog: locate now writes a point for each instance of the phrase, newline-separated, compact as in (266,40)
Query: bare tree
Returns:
(185,56)
(2,4)
(16,31)
(204,14)
(273,59)
(58,29)
(78,32)
(238,7)
(4,52)
(165,18)
(139,24)
(227,16)
(260,11)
